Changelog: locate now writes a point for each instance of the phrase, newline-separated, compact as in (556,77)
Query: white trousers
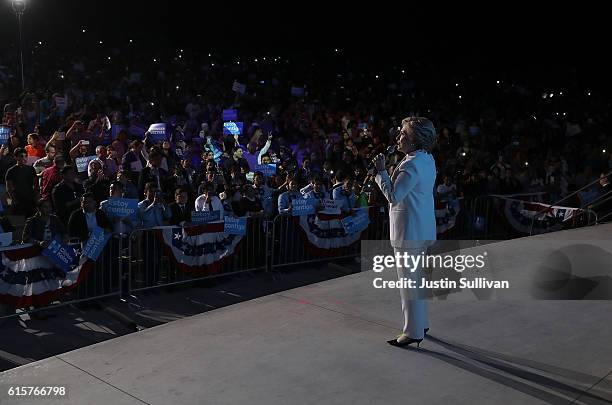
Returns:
(414,303)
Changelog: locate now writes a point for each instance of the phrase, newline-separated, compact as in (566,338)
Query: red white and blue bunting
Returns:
(27,278)
(198,250)
(545,218)
(446,214)
(324,234)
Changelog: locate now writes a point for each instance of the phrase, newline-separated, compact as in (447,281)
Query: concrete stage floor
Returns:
(326,343)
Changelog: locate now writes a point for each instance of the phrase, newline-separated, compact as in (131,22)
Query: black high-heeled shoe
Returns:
(404,343)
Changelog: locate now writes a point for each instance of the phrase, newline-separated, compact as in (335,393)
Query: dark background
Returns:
(489,40)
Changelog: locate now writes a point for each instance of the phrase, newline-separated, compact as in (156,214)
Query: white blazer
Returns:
(411,204)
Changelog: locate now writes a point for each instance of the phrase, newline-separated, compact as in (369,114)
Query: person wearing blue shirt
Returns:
(317,192)
(265,193)
(285,199)
(345,195)
(152,211)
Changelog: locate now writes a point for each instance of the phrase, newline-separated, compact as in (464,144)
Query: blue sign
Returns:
(235,226)
(305,206)
(5,134)
(60,255)
(230,115)
(204,217)
(232,128)
(83,162)
(95,244)
(115,129)
(136,132)
(157,132)
(357,222)
(267,170)
(121,207)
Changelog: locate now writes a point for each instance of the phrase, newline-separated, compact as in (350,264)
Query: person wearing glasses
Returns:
(409,190)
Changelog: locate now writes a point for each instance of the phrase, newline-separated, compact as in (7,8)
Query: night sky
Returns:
(522,44)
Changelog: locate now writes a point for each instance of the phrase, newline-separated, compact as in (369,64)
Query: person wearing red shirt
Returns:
(34,147)
(52,176)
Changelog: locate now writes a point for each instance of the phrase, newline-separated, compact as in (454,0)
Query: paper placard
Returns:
(230,115)
(121,207)
(136,131)
(305,206)
(5,134)
(331,206)
(235,226)
(61,103)
(96,243)
(267,170)
(60,255)
(204,217)
(357,222)
(6,238)
(232,128)
(83,162)
(157,132)
(115,129)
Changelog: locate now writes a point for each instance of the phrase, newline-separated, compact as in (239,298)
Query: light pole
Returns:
(19,7)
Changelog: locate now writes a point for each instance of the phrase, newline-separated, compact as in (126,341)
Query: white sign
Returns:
(331,206)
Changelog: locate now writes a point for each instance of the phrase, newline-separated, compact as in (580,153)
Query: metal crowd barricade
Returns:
(290,248)
(103,280)
(151,267)
(489,221)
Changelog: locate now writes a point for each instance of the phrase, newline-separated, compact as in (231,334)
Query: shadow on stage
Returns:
(526,376)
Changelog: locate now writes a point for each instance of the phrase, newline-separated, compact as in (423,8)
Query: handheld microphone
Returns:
(390,150)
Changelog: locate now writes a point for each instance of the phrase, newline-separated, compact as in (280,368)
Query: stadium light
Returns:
(19,6)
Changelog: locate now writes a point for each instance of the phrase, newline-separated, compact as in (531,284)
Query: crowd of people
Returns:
(79,137)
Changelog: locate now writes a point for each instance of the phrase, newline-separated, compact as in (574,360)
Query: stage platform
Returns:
(325,343)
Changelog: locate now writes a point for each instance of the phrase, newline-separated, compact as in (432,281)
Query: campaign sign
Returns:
(267,170)
(331,206)
(5,134)
(121,207)
(230,115)
(357,222)
(61,103)
(297,91)
(239,87)
(235,226)
(232,128)
(302,206)
(95,244)
(6,238)
(60,255)
(83,162)
(204,217)
(157,132)
(136,131)
(115,129)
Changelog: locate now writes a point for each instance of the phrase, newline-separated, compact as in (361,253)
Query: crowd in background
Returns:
(319,123)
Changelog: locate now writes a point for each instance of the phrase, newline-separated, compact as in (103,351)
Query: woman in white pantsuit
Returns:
(412,219)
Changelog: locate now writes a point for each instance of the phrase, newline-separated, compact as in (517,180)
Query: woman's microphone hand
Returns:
(379,162)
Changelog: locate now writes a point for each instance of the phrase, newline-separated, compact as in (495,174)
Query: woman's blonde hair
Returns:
(424,132)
